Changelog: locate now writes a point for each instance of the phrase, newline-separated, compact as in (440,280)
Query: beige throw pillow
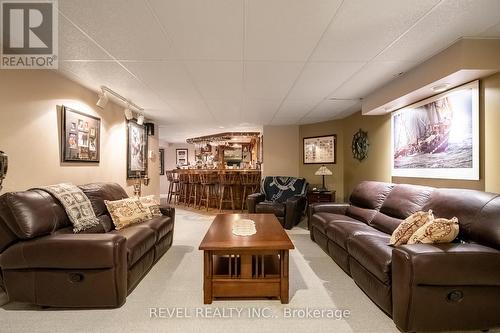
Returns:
(408,227)
(127,212)
(151,204)
(438,231)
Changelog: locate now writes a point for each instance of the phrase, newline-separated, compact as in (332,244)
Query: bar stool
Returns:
(208,182)
(193,188)
(173,186)
(250,180)
(184,186)
(227,180)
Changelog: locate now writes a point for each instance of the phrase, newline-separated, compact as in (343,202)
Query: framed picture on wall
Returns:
(80,136)
(181,157)
(162,161)
(137,148)
(439,136)
(320,149)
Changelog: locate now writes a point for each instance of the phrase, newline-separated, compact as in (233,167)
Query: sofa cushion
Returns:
(161,225)
(373,253)
(269,207)
(98,192)
(403,201)
(126,212)
(322,220)
(151,204)
(408,227)
(340,231)
(139,241)
(366,199)
(440,230)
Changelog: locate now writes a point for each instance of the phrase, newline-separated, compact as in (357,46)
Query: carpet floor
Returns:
(175,284)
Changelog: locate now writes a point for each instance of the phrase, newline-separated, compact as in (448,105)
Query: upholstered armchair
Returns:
(284,197)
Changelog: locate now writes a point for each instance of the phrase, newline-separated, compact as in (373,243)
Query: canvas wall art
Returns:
(137,147)
(80,136)
(439,136)
(181,157)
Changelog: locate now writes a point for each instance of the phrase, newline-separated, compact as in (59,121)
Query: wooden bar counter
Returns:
(242,181)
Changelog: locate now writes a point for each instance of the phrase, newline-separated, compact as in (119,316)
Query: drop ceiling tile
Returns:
(225,111)
(270,80)
(285,30)
(355,34)
(449,21)
(320,79)
(217,80)
(493,31)
(169,79)
(293,108)
(127,31)
(331,109)
(371,77)
(203,29)
(259,111)
(287,120)
(190,111)
(94,74)
(74,45)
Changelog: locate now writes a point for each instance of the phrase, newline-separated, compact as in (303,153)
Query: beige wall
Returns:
(491,89)
(281,151)
(336,181)
(30,133)
(170,162)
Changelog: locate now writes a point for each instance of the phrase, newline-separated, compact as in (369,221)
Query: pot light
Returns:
(103,100)
(441,87)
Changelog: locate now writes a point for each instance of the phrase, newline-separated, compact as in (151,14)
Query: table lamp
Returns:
(323,171)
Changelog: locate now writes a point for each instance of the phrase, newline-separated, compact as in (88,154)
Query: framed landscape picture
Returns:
(320,149)
(80,136)
(137,148)
(181,157)
(162,161)
(439,136)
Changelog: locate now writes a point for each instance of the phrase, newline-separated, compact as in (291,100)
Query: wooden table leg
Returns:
(246,266)
(207,277)
(284,276)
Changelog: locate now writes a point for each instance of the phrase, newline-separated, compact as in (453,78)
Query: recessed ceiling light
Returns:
(441,87)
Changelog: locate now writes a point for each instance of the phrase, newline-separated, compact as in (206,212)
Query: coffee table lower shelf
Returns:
(245,274)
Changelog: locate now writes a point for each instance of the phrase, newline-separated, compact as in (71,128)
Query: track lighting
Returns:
(103,100)
(128,113)
(140,119)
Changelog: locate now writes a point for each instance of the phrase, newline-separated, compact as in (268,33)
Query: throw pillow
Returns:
(151,204)
(126,212)
(438,231)
(408,227)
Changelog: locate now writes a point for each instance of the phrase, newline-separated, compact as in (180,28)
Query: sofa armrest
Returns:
(67,251)
(168,210)
(253,200)
(326,207)
(294,207)
(438,276)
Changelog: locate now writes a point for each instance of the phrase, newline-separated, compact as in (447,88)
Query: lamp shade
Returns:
(323,171)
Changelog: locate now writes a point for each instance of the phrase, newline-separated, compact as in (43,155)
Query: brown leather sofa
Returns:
(422,287)
(43,262)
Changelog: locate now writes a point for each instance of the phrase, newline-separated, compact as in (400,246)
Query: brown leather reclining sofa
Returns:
(422,287)
(43,262)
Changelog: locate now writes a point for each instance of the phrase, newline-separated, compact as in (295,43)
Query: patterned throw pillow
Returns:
(127,212)
(408,227)
(437,231)
(151,204)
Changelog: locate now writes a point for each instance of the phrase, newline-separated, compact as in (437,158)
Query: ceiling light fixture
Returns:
(103,99)
(129,114)
(140,119)
(441,87)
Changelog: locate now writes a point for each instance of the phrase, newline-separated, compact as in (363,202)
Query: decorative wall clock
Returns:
(360,145)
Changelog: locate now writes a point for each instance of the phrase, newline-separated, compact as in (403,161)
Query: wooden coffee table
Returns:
(253,266)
